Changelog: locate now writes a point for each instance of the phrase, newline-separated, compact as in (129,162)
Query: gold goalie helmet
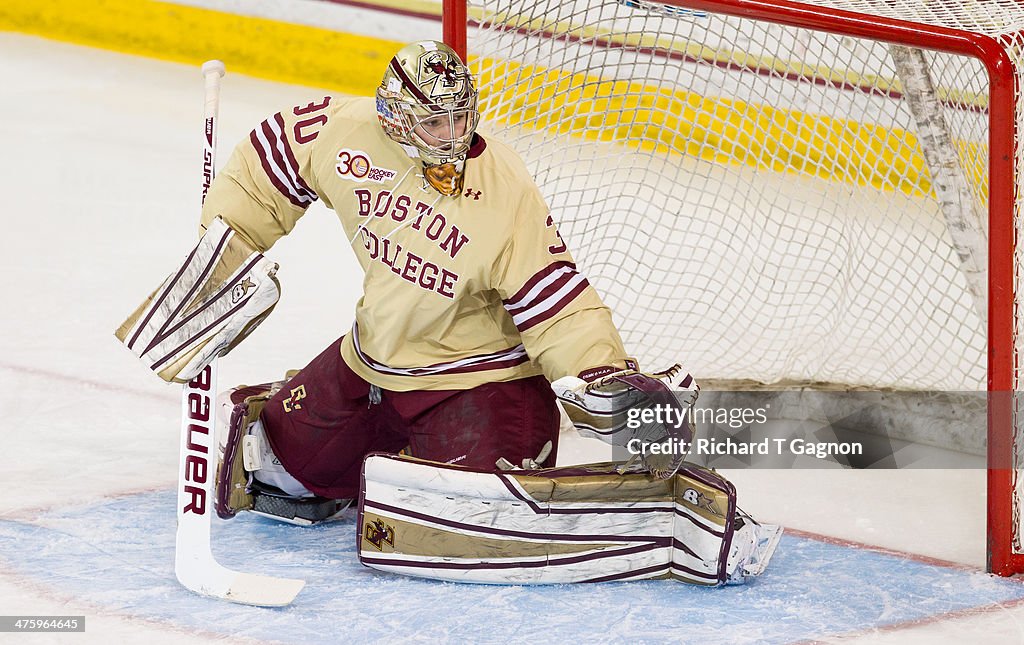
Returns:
(427,103)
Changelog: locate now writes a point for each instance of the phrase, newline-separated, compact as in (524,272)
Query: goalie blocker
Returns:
(558,525)
(601,408)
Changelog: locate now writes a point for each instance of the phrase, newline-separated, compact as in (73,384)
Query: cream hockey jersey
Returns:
(458,291)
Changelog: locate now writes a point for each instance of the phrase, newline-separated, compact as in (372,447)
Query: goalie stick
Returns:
(194,564)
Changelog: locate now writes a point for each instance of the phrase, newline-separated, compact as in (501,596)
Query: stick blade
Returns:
(263,591)
(213,580)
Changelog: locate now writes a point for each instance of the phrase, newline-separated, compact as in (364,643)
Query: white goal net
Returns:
(783,197)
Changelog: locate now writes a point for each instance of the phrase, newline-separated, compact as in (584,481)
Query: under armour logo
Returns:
(292,402)
(475,194)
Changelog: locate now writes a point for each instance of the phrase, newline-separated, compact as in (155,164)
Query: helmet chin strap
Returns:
(446,178)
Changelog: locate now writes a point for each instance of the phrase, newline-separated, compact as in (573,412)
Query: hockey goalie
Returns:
(475,328)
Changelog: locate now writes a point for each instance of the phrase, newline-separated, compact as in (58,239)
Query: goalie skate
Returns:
(240,453)
(304,511)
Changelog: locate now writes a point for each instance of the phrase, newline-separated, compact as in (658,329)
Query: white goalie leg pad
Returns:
(576,524)
(436,521)
(218,295)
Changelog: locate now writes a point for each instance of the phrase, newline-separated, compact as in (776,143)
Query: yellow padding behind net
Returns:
(668,120)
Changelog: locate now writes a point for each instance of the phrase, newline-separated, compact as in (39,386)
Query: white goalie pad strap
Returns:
(218,295)
(577,524)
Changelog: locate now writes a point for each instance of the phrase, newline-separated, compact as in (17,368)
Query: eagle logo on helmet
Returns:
(441,72)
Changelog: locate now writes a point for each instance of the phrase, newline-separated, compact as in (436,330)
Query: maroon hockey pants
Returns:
(322,423)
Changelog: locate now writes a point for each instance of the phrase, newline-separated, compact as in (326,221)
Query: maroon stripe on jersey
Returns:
(279,163)
(552,311)
(544,294)
(289,170)
(265,162)
(303,186)
(493,361)
(500,365)
(513,301)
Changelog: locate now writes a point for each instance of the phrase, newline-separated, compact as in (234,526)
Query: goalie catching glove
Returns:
(219,294)
(651,415)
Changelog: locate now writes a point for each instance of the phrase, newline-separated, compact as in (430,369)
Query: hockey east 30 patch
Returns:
(356,165)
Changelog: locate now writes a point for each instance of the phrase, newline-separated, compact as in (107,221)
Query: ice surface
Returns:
(118,553)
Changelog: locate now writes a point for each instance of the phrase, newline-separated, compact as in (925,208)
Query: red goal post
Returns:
(618,33)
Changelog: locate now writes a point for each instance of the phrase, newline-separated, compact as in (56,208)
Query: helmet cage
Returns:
(441,137)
